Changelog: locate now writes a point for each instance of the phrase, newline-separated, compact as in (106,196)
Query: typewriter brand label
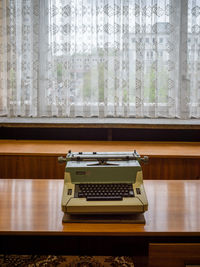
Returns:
(80,172)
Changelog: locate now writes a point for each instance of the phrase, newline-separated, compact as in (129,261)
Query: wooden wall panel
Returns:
(172,169)
(47,167)
(31,167)
(174,255)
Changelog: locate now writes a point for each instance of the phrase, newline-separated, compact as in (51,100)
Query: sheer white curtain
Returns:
(103,58)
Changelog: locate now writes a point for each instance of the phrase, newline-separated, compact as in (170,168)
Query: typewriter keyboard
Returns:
(95,192)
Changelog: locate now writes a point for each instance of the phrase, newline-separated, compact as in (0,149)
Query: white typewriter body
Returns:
(103,183)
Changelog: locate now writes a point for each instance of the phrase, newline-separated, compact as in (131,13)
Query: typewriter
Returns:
(103,183)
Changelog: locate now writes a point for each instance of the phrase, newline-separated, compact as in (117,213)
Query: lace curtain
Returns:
(103,58)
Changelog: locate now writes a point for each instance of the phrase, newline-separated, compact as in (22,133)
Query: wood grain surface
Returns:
(38,159)
(47,167)
(174,255)
(152,149)
(34,207)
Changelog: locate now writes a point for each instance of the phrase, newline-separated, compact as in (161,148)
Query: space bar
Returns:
(104,198)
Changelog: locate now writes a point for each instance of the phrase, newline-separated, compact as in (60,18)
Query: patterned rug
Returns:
(64,261)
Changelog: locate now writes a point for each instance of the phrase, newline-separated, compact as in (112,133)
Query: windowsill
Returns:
(100,123)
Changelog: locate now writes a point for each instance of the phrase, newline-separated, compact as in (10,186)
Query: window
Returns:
(88,58)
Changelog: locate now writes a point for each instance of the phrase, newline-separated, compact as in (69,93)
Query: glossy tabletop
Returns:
(34,207)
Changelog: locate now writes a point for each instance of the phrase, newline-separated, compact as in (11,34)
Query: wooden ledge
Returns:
(128,123)
(56,148)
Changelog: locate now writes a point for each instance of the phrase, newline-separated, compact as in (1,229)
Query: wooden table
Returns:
(31,220)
